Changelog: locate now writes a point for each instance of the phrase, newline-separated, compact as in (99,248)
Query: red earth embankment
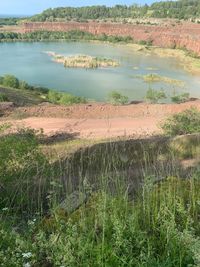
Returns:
(96,120)
(180,35)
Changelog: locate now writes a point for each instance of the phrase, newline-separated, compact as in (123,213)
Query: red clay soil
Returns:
(97,120)
(172,34)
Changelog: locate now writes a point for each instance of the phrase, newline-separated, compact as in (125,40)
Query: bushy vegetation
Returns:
(181,9)
(64,98)
(9,21)
(186,122)
(45,94)
(67,36)
(3,97)
(11,81)
(20,160)
(117,98)
(154,96)
(180,98)
(156,225)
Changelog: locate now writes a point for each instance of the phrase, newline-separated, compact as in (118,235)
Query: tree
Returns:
(10,81)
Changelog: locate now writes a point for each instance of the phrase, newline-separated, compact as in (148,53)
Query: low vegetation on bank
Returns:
(85,210)
(74,35)
(116,98)
(83,61)
(186,122)
(21,93)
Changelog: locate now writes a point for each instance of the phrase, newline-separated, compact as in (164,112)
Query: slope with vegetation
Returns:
(120,203)
(181,9)
(21,93)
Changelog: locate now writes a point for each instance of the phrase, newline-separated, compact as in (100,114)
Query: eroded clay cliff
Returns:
(177,35)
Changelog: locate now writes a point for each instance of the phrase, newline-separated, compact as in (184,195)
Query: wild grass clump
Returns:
(155,223)
(186,122)
(154,96)
(160,228)
(3,97)
(83,61)
(21,161)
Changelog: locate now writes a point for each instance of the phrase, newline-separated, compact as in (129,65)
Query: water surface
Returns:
(29,62)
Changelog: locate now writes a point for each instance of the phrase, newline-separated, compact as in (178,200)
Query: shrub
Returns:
(24,85)
(153,96)
(20,161)
(1,80)
(64,98)
(180,98)
(68,99)
(10,81)
(3,98)
(186,122)
(53,97)
(117,98)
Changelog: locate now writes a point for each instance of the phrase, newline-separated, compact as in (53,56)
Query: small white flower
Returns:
(27,264)
(4,209)
(31,222)
(27,255)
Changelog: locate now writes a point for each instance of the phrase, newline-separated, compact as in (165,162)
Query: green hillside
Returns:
(182,9)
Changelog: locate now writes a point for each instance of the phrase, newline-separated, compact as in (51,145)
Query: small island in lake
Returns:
(154,78)
(83,61)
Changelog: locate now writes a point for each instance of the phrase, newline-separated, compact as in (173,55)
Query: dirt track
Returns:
(97,120)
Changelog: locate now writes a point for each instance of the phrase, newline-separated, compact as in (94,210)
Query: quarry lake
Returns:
(29,62)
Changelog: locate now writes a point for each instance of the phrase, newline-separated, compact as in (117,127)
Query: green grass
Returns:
(141,208)
(154,78)
(21,97)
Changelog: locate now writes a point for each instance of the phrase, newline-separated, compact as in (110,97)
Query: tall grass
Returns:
(133,206)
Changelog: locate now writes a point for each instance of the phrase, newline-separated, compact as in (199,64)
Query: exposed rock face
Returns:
(177,35)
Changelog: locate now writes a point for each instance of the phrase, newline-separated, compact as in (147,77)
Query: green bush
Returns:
(24,85)
(10,81)
(20,160)
(64,98)
(53,97)
(68,99)
(186,122)
(180,98)
(3,97)
(153,96)
(117,98)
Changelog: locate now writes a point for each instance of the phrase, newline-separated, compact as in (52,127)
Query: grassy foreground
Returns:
(120,203)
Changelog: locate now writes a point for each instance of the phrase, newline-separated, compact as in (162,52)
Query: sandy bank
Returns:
(96,120)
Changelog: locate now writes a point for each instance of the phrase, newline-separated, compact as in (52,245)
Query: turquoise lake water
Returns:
(29,62)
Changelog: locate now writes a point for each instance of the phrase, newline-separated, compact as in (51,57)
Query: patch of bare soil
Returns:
(97,120)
